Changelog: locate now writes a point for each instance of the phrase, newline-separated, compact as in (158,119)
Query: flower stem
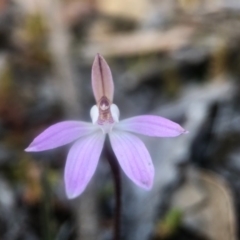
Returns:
(117,185)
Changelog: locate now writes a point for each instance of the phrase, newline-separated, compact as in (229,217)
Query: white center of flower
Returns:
(105,115)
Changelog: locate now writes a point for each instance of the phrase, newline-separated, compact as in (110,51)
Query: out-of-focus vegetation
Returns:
(175,58)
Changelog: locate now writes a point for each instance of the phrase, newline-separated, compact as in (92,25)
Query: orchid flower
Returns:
(82,159)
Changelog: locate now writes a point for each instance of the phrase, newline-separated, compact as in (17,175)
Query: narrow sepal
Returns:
(102,83)
(82,162)
(60,134)
(150,125)
(133,157)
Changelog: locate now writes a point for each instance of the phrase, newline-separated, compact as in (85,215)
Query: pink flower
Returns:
(89,138)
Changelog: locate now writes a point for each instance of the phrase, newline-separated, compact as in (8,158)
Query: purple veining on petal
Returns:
(133,157)
(150,125)
(60,134)
(82,162)
(102,83)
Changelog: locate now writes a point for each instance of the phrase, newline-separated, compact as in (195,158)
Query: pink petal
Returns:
(133,158)
(60,134)
(153,126)
(82,162)
(102,82)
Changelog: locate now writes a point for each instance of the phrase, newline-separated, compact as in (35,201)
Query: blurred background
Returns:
(176,58)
